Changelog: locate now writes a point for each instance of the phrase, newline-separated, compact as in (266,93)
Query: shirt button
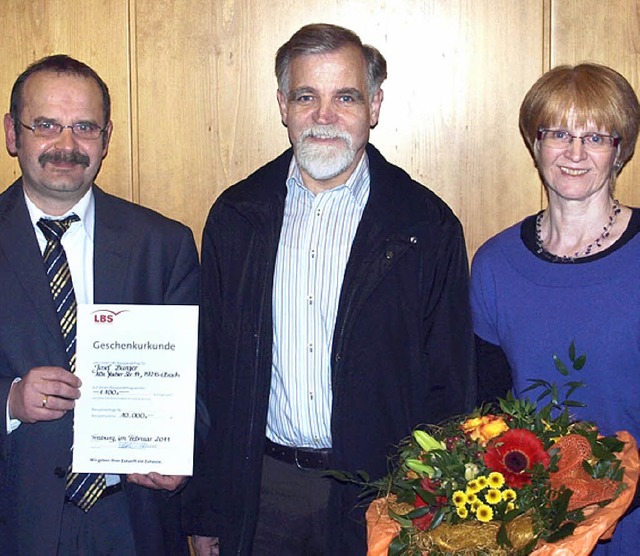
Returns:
(389,254)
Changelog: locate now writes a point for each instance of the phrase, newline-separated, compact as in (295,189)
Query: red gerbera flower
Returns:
(514,454)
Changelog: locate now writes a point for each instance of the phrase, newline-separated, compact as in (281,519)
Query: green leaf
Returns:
(401,519)
(341,476)
(572,350)
(397,547)
(579,362)
(561,503)
(562,532)
(560,366)
(543,395)
(573,386)
(418,512)
(428,497)
(537,383)
(502,537)
(437,518)
(612,443)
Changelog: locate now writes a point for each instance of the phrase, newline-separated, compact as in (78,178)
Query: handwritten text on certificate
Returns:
(136,412)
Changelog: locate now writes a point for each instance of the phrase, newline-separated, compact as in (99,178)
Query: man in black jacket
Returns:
(334,316)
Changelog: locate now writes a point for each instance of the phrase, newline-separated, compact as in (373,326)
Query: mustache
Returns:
(74,157)
(325,132)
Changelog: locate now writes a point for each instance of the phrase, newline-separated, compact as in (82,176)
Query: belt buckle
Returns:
(295,457)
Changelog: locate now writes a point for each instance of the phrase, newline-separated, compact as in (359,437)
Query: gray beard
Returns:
(324,162)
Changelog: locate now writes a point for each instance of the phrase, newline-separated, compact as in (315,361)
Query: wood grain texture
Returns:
(194,91)
(94,32)
(457,72)
(606,32)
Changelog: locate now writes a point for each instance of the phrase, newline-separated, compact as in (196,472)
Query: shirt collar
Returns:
(84,209)
(357,183)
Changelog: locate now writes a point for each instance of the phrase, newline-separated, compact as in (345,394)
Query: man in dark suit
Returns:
(117,252)
(335,316)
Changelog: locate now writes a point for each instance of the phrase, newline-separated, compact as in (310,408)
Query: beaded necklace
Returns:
(595,244)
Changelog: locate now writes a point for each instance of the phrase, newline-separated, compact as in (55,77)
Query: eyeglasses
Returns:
(561,139)
(82,130)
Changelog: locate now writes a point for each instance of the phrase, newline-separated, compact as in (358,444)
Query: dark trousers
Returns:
(292,519)
(105,530)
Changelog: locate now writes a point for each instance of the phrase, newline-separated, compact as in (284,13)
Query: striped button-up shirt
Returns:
(317,234)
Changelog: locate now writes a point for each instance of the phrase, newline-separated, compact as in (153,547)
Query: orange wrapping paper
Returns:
(381,529)
(600,523)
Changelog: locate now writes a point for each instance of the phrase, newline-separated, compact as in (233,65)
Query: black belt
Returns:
(303,458)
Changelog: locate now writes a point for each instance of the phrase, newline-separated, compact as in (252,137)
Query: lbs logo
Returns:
(104,316)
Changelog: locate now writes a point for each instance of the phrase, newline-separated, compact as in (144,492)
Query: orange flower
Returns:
(484,428)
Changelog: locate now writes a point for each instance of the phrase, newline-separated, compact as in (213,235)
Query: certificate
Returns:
(136,411)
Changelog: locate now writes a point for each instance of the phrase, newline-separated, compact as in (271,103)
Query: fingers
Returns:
(157,481)
(43,394)
(206,546)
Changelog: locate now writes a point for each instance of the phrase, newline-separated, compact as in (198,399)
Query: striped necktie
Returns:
(82,489)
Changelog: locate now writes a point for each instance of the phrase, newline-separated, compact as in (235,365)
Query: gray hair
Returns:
(320,38)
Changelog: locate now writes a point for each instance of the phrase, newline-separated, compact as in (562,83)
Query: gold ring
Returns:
(45,400)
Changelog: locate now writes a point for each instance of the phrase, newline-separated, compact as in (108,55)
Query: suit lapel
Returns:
(19,245)
(111,252)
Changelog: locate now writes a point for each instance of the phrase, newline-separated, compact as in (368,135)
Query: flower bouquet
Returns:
(512,478)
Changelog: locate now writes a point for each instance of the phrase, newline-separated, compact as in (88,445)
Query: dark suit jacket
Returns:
(139,257)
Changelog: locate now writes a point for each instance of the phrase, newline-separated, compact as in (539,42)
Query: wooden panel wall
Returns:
(194,104)
(95,32)
(608,33)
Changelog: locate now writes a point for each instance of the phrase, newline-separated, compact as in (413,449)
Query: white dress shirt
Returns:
(77,242)
(315,242)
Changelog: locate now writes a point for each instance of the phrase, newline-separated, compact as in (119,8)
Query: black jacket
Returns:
(401,354)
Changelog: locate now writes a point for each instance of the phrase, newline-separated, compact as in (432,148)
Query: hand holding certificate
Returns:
(136,413)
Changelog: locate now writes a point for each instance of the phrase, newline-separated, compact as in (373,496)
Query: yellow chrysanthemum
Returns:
(475,505)
(493,496)
(510,506)
(509,494)
(471,497)
(473,486)
(459,498)
(484,513)
(496,480)
(483,482)
(462,512)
